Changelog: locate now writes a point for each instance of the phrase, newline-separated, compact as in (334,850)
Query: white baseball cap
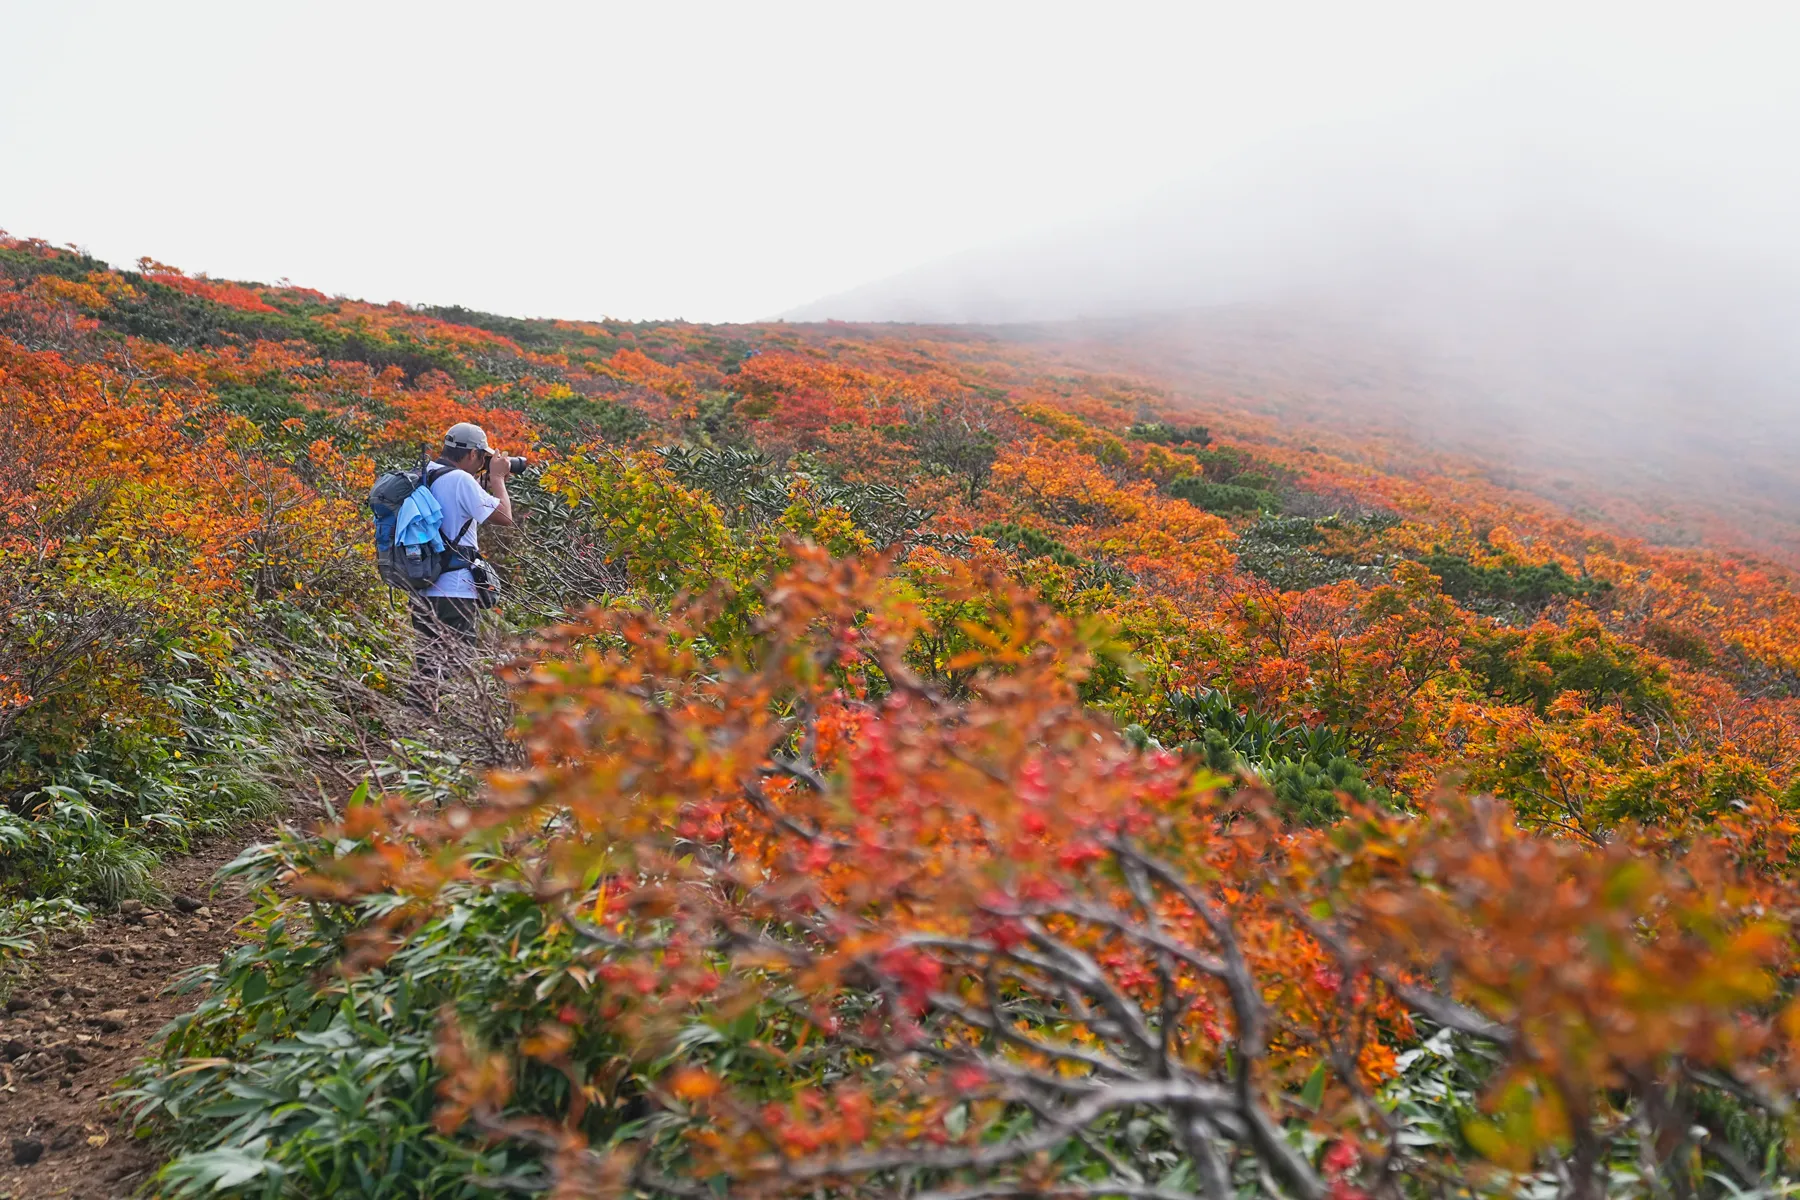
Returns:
(465,435)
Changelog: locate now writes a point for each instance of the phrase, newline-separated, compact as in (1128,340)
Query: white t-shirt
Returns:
(461,498)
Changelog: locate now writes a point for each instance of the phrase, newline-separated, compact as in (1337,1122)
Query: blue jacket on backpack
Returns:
(418,519)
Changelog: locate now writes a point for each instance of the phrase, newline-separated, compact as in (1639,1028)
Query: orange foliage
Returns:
(1168,540)
(1004,902)
(231,295)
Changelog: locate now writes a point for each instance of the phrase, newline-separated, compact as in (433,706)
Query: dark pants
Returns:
(443,634)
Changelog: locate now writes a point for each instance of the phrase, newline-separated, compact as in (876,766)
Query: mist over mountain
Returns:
(1587,290)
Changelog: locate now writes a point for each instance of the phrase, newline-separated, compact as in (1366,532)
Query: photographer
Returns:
(469,483)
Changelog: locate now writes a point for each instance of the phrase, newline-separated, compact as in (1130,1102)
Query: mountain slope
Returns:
(1561,296)
(877,717)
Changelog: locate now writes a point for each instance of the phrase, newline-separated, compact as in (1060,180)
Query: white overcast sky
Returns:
(730,161)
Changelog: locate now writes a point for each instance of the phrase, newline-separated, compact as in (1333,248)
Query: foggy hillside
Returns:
(1571,292)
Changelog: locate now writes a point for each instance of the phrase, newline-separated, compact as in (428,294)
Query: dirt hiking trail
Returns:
(87,1010)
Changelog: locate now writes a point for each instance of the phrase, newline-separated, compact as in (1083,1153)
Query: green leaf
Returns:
(255,987)
(1313,1094)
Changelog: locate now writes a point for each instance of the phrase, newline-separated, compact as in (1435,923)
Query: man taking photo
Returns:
(469,483)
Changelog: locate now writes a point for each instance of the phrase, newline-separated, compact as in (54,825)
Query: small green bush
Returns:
(751,491)
(1226,499)
(1227,464)
(1511,583)
(1306,767)
(1197,436)
(1282,551)
(575,420)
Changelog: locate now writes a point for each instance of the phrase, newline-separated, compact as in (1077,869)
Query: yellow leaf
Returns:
(1493,1144)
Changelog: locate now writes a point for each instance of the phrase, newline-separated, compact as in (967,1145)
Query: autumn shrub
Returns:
(119,741)
(1539,664)
(1130,525)
(1029,544)
(782,918)
(960,445)
(143,542)
(1684,645)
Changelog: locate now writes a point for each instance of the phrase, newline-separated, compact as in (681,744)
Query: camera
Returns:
(515,463)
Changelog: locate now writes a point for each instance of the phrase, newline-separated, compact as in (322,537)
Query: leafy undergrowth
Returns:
(297,1088)
(976,774)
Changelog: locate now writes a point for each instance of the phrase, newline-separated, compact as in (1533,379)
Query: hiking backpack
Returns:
(410,567)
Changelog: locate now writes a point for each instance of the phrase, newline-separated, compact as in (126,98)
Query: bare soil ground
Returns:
(88,1011)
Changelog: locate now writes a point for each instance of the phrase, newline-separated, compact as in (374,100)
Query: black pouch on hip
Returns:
(487,583)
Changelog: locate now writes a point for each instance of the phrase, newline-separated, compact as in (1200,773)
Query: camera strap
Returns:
(467,555)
